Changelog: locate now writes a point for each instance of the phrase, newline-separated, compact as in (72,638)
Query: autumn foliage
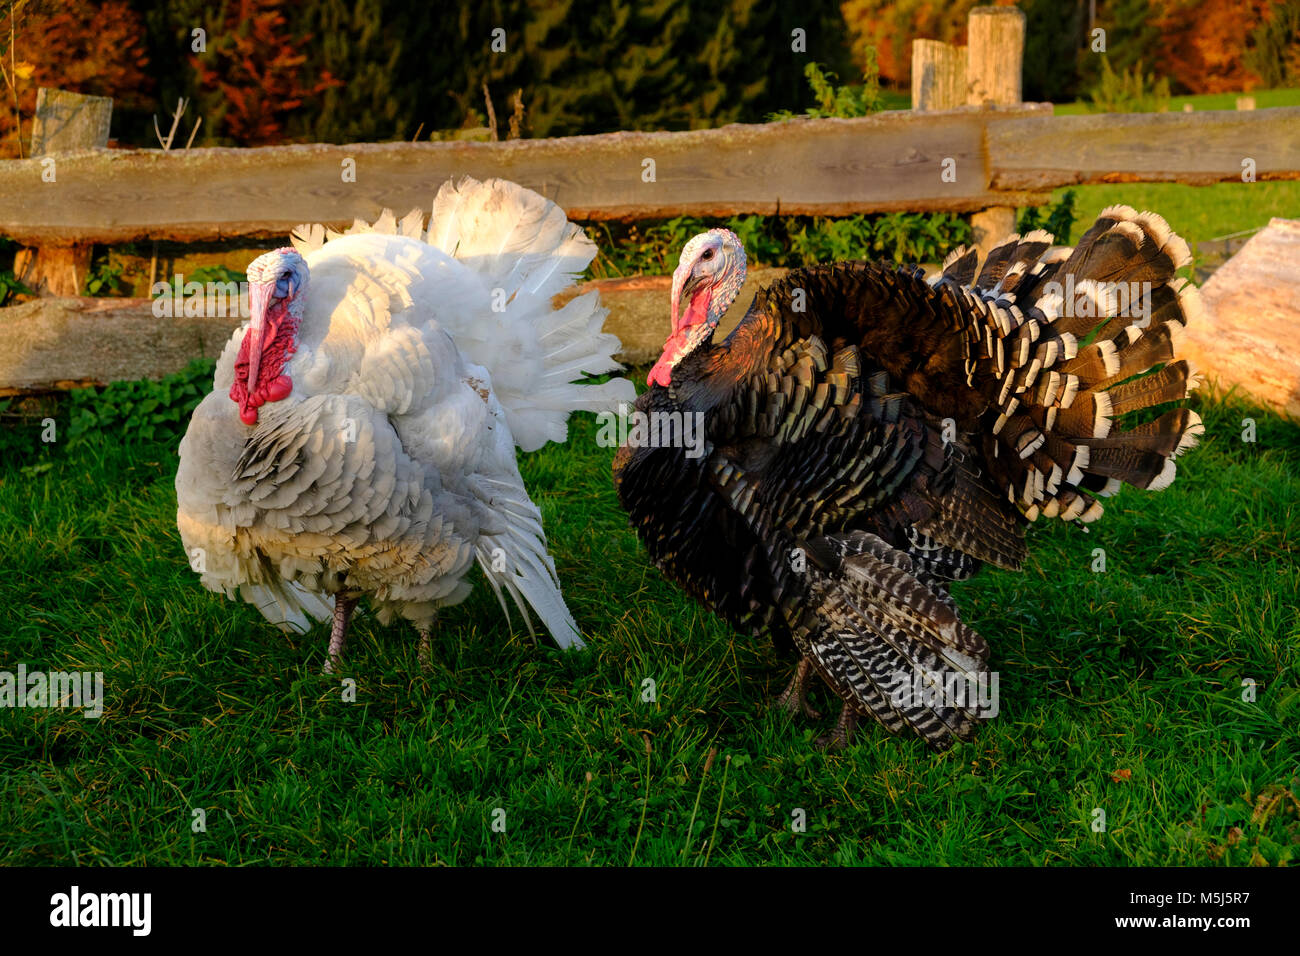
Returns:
(251,73)
(1200,46)
(96,49)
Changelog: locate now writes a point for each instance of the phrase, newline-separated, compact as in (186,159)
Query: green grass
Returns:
(1136,669)
(1197,213)
(1264,99)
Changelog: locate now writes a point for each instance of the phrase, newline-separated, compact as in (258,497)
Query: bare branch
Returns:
(176,120)
(517,117)
(492,113)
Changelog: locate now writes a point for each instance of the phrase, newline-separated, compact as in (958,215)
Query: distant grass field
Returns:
(1121,691)
(1205,101)
(1197,213)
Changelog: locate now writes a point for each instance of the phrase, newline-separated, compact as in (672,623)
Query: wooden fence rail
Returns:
(1001,156)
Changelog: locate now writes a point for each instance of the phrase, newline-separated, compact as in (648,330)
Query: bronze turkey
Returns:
(870,437)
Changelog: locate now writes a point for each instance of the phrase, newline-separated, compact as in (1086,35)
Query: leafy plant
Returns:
(9,283)
(11,286)
(788,241)
(141,411)
(1057,218)
(1129,91)
(218,273)
(841,101)
(104,279)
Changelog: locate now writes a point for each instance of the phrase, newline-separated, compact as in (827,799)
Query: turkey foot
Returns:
(794,699)
(343,605)
(842,735)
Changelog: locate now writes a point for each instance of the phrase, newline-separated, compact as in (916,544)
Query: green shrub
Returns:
(143,411)
(788,241)
(1129,91)
(841,101)
(9,284)
(1057,218)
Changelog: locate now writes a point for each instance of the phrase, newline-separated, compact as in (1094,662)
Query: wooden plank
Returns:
(63,343)
(1250,336)
(1045,152)
(57,344)
(881,163)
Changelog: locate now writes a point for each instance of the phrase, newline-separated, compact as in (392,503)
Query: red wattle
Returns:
(279,389)
(277,347)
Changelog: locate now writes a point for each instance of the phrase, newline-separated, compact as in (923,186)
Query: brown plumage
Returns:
(871,437)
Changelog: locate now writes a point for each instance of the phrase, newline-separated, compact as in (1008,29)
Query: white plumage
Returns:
(421,360)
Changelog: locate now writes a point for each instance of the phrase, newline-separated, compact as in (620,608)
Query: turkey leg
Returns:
(842,735)
(425,653)
(795,696)
(343,605)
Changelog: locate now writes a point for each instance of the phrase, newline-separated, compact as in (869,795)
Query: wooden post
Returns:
(938,75)
(64,123)
(994,62)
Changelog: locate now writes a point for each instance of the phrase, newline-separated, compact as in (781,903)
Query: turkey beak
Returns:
(683,285)
(259,297)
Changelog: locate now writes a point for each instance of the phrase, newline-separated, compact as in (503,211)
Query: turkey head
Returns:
(277,295)
(707,280)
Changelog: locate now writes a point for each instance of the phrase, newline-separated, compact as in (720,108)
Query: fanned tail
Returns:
(1068,341)
(524,250)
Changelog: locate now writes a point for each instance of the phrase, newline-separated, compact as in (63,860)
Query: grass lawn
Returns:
(1197,213)
(1121,691)
(1264,99)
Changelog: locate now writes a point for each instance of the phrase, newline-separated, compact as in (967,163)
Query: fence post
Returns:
(64,123)
(938,75)
(995,55)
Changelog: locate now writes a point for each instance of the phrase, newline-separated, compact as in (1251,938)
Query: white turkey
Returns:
(360,436)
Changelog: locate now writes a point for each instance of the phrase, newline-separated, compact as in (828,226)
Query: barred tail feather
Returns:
(1074,340)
